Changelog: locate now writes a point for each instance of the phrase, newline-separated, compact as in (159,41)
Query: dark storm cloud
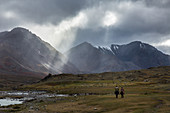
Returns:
(158,3)
(145,20)
(43,11)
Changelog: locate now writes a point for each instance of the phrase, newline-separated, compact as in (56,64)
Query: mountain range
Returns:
(22,52)
(90,59)
(132,56)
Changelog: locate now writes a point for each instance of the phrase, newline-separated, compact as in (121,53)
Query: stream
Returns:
(9,97)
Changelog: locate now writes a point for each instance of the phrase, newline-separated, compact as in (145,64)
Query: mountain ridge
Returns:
(32,53)
(141,54)
(137,55)
(89,58)
(25,51)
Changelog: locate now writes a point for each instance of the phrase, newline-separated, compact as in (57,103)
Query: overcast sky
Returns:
(65,23)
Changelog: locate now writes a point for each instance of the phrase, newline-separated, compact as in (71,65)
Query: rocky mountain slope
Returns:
(22,51)
(90,59)
(132,56)
(141,54)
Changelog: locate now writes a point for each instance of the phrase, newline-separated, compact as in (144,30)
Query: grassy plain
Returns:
(146,91)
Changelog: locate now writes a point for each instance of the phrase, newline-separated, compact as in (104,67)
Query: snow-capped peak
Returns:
(106,49)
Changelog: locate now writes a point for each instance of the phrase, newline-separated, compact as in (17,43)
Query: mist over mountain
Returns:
(23,51)
(132,56)
(90,59)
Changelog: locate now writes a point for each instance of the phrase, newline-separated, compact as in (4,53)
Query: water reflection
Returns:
(24,96)
(9,101)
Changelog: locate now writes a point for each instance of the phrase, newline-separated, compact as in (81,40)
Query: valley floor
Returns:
(149,93)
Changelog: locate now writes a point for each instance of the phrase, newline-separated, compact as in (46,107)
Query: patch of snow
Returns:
(106,49)
(112,52)
(100,48)
(115,47)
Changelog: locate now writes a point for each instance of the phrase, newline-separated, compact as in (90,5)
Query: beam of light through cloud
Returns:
(67,29)
(9,15)
(66,23)
(109,16)
(110,19)
(60,36)
(100,22)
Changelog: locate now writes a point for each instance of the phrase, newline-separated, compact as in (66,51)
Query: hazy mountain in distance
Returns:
(132,56)
(90,59)
(141,54)
(23,51)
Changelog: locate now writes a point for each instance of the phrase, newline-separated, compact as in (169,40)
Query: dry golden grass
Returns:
(71,107)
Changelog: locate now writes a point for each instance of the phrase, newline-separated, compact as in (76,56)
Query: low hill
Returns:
(152,75)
